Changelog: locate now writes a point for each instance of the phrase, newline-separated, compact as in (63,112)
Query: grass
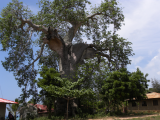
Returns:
(140,117)
(104,117)
(145,118)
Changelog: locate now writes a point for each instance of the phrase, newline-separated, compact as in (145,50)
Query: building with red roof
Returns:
(42,110)
(38,109)
(3,103)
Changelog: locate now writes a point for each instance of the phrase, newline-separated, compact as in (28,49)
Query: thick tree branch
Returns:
(104,55)
(69,98)
(78,50)
(55,42)
(34,26)
(71,33)
(91,16)
(83,51)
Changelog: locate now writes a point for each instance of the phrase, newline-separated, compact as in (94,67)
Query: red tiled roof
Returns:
(7,101)
(153,95)
(43,108)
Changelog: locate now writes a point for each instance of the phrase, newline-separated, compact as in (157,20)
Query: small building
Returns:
(3,103)
(37,110)
(151,103)
(24,111)
(42,110)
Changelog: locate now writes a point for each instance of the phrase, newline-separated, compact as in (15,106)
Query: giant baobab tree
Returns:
(61,26)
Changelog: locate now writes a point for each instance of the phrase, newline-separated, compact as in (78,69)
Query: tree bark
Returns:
(67,108)
(15,116)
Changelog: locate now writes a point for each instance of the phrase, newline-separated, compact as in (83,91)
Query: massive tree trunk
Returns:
(70,57)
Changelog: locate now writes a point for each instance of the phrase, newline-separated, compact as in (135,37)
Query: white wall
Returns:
(2,109)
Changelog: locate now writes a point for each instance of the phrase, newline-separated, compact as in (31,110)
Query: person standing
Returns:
(10,116)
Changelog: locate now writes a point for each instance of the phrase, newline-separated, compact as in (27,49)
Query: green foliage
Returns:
(59,87)
(138,84)
(121,85)
(10,33)
(155,86)
(48,77)
(28,111)
(52,118)
(53,86)
(63,10)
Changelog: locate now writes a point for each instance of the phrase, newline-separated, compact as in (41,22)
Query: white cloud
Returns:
(142,29)
(155,57)
(154,62)
(138,17)
(153,67)
(158,72)
(135,61)
(141,24)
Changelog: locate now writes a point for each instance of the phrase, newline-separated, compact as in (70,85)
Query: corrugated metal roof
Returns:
(153,95)
(7,101)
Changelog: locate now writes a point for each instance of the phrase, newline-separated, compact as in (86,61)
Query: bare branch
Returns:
(91,16)
(42,47)
(72,98)
(34,26)
(104,55)
(97,48)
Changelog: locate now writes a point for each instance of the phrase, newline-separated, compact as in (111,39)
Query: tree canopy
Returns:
(122,85)
(60,27)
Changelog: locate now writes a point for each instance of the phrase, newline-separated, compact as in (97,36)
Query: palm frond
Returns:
(9,108)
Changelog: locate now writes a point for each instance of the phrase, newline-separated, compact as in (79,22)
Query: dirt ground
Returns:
(125,118)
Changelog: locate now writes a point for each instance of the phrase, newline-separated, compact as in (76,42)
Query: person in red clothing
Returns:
(10,116)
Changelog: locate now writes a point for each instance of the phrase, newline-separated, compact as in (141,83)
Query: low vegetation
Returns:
(112,115)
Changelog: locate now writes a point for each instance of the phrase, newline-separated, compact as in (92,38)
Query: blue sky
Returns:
(141,27)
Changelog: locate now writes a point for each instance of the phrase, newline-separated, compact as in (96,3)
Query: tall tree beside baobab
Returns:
(61,26)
